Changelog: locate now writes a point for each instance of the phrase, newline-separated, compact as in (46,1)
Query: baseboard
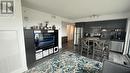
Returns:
(21,70)
(116,52)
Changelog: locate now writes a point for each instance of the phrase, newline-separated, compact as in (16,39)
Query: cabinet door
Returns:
(30,52)
(28,33)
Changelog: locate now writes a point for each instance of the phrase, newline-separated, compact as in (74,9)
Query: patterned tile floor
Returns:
(40,66)
(68,62)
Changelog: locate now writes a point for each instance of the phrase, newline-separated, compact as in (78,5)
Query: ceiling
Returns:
(75,9)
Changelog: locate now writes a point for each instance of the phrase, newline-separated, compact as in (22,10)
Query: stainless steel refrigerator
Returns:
(78,33)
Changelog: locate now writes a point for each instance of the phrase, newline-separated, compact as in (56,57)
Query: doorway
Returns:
(70,35)
(67,35)
(70,32)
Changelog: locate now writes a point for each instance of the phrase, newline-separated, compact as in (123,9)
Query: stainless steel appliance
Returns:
(117,46)
(78,33)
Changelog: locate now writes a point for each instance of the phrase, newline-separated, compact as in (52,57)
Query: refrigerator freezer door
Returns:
(78,33)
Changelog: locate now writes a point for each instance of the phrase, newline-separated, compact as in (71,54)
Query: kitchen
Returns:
(113,30)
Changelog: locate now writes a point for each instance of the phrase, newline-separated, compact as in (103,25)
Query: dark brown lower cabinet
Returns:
(30,48)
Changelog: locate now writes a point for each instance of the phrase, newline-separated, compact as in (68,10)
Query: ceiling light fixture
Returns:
(94,16)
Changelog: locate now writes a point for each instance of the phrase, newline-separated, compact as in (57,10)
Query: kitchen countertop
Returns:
(95,38)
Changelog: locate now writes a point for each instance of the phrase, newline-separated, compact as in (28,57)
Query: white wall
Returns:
(64,28)
(110,17)
(12,50)
(34,17)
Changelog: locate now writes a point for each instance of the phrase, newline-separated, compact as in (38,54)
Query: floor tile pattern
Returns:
(68,62)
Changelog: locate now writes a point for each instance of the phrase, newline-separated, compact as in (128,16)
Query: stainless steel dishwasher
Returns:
(117,46)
